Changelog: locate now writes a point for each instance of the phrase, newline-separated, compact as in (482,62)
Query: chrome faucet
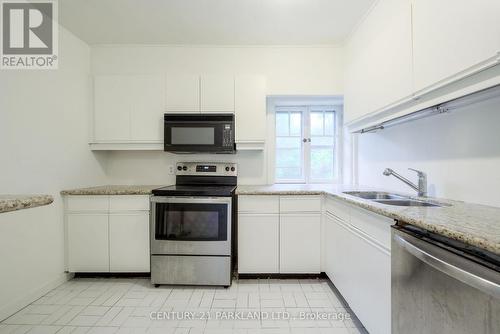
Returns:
(422,180)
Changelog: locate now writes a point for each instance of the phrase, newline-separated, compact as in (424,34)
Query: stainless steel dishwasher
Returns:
(442,286)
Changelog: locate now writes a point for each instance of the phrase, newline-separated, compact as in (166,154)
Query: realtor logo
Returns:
(29,34)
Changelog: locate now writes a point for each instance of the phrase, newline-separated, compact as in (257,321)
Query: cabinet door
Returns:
(88,243)
(129,242)
(148,109)
(183,93)
(450,36)
(258,243)
(217,93)
(300,236)
(379,71)
(250,108)
(329,240)
(113,105)
(361,271)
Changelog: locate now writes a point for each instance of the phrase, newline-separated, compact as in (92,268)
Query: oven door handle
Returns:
(457,267)
(191,200)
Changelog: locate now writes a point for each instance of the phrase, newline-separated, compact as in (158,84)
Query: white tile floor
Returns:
(109,305)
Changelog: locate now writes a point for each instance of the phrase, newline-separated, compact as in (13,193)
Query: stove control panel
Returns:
(207,168)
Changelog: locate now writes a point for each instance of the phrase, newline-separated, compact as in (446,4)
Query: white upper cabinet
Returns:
(113,105)
(379,70)
(217,93)
(128,108)
(250,108)
(183,93)
(146,119)
(451,36)
(405,49)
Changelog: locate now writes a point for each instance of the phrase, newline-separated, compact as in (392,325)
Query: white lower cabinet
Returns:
(300,236)
(279,234)
(289,235)
(359,265)
(107,233)
(258,243)
(88,242)
(129,242)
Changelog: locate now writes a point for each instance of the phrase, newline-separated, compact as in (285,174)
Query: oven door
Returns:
(199,133)
(190,225)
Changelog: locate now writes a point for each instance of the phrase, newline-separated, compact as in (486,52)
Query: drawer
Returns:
(376,226)
(300,203)
(87,203)
(338,209)
(129,203)
(204,270)
(259,204)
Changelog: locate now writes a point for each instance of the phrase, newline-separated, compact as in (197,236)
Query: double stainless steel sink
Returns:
(391,199)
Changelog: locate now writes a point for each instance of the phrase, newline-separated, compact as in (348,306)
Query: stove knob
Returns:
(184,168)
(179,167)
(233,169)
(227,169)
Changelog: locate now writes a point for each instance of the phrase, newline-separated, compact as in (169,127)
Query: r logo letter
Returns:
(35,21)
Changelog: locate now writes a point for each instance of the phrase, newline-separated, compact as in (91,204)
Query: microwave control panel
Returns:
(227,135)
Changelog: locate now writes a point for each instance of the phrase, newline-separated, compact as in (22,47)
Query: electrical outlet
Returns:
(170,170)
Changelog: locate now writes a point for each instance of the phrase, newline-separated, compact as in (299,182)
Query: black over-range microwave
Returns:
(199,133)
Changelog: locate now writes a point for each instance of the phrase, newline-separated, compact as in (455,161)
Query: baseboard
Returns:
(11,307)
(282,276)
(113,275)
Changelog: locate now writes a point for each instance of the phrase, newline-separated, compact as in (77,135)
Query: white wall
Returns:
(44,149)
(460,152)
(289,71)
(151,168)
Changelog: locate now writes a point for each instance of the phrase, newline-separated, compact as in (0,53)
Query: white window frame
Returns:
(303,127)
(306,149)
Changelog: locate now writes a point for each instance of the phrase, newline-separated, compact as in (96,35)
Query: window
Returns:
(305,144)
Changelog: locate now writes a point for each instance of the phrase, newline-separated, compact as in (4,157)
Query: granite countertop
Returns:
(474,224)
(19,202)
(112,190)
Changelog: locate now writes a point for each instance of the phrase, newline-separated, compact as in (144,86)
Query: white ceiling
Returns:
(216,22)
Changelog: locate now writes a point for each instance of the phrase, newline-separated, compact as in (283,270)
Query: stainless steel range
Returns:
(192,225)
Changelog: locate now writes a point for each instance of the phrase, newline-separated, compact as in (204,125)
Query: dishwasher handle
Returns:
(455,266)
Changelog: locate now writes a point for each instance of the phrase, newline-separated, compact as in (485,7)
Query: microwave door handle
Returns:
(464,270)
(170,123)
